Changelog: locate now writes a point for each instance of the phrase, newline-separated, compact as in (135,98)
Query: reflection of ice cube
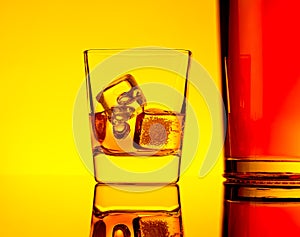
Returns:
(121,230)
(114,225)
(158,129)
(157,226)
(99,229)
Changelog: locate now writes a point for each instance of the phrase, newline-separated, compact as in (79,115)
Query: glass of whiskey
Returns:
(137,105)
(134,211)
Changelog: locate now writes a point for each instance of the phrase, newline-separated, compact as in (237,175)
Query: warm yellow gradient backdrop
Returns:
(42,65)
(41,60)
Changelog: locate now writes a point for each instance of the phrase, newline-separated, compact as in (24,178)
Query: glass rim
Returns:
(141,49)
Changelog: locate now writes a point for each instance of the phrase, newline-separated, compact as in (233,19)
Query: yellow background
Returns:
(46,190)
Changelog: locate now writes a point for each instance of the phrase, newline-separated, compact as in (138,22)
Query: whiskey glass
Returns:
(137,106)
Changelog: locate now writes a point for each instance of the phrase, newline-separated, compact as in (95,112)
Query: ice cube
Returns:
(135,94)
(122,91)
(138,95)
(125,98)
(120,99)
(158,129)
(121,114)
(157,134)
(121,130)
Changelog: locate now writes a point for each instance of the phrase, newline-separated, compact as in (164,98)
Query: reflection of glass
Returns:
(266,210)
(136,212)
(260,53)
(137,103)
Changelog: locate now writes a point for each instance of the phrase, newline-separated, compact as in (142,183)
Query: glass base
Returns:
(136,170)
(266,168)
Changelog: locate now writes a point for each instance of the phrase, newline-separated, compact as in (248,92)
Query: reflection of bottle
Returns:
(136,211)
(261,210)
(261,48)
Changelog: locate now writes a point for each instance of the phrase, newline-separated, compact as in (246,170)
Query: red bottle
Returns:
(261,74)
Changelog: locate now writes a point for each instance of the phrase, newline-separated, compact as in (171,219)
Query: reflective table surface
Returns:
(61,205)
